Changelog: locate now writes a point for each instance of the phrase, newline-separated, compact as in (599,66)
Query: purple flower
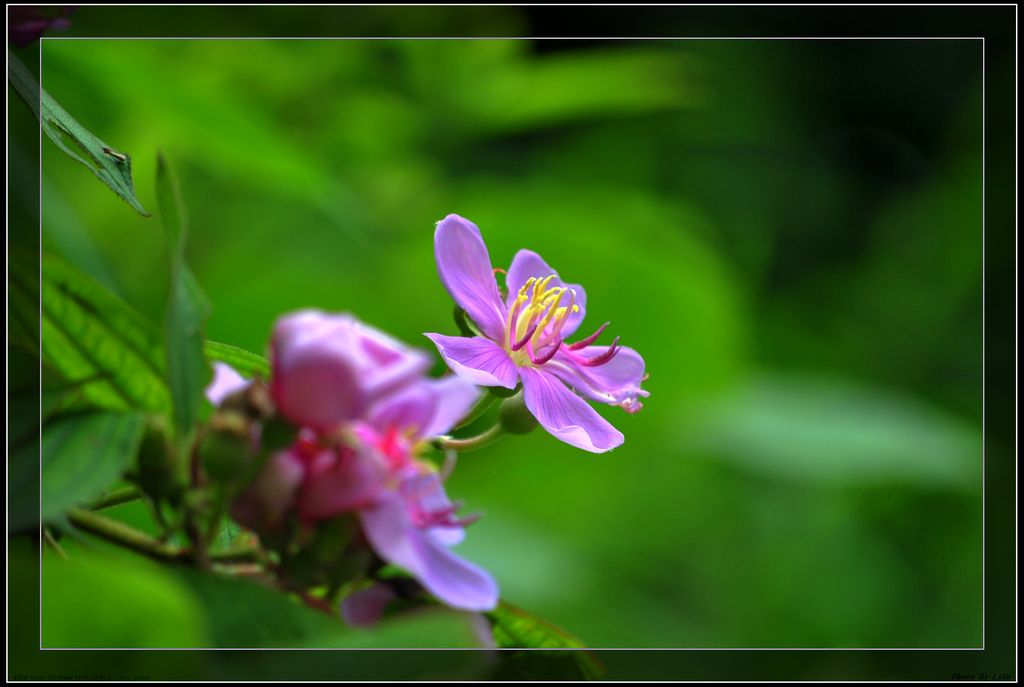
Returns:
(262,507)
(405,514)
(524,339)
(26,23)
(365,607)
(329,369)
(334,375)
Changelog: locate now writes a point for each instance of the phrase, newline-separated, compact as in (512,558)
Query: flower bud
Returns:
(328,369)
(159,475)
(466,326)
(263,505)
(226,453)
(515,417)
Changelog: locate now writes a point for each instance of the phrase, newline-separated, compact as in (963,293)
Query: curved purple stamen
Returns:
(582,343)
(604,357)
(547,356)
(444,517)
(513,319)
(526,337)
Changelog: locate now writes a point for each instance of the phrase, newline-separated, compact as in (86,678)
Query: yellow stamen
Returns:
(539,307)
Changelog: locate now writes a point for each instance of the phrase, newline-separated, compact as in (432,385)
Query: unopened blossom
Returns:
(265,503)
(368,412)
(328,369)
(365,608)
(524,338)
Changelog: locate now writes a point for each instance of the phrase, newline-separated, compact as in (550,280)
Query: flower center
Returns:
(535,321)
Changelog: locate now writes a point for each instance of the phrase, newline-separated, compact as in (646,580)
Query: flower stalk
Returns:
(470,443)
(482,406)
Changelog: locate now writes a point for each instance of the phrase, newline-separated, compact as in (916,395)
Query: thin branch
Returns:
(116,532)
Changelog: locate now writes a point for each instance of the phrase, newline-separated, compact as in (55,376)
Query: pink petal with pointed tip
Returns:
(565,415)
(456,582)
(464,266)
(476,359)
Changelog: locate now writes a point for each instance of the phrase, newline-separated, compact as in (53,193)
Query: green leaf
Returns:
(187,309)
(89,333)
(247,364)
(831,431)
(527,95)
(116,602)
(245,614)
(514,628)
(82,455)
(111,167)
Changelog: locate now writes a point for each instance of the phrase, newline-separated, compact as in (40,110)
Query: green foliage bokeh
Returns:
(789,232)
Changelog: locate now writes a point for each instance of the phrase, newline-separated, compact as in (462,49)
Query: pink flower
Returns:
(334,375)
(262,507)
(524,340)
(330,369)
(405,514)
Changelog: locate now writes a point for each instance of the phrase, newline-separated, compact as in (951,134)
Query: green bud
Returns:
(158,475)
(465,324)
(225,456)
(502,392)
(515,417)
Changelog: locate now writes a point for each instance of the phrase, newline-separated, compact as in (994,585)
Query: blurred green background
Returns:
(788,231)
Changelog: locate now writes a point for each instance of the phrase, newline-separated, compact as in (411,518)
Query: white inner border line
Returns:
(44,38)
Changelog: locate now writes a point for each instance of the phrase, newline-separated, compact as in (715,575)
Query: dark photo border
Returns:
(995,24)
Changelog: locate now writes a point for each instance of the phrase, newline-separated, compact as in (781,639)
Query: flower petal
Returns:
(328,368)
(366,607)
(429,407)
(456,582)
(340,481)
(616,382)
(528,264)
(476,359)
(455,396)
(464,267)
(565,415)
(411,408)
(425,494)
(226,381)
(263,504)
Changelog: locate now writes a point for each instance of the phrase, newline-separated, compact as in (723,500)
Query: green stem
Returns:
(193,530)
(471,443)
(481,407)
(238,554)
(117,532)
(116,498)
(52,543)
